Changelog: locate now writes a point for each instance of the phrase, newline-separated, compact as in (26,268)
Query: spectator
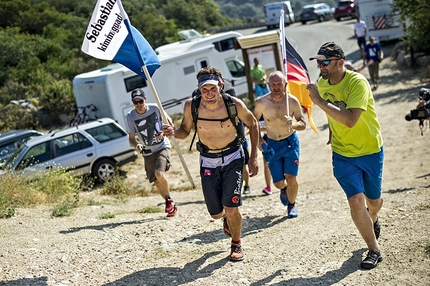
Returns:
(374,55)
(258,78)
(360,31)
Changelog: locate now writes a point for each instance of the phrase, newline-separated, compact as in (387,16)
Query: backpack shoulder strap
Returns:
(195,103)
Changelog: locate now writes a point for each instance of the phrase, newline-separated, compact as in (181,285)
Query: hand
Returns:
(168,130)
(313,93)
(139,148)
(253,167)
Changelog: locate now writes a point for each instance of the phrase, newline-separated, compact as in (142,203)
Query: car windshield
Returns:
(344,3)
(11,161)
(309,9)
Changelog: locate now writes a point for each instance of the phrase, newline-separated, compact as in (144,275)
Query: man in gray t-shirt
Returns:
(145,134)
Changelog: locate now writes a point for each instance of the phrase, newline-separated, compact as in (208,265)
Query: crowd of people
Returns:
(228,159)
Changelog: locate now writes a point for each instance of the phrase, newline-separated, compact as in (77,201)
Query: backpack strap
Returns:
(195,103)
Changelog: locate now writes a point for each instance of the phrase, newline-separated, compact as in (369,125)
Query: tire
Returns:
(104,170)
(338,19)
(321,18)
(303,22)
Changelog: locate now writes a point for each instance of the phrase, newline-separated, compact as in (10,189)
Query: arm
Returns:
(300,123)
(248,118)
(347,117)
(185,128)
(257,114)
(133,142)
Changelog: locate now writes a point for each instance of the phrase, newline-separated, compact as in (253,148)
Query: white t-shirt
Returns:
(360,28)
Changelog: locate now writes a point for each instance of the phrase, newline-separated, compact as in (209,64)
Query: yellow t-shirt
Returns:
(364,137)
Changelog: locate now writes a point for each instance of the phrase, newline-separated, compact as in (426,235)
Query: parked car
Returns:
(272,14)
(10,141)
(94,148)
(320,12)
(345,8)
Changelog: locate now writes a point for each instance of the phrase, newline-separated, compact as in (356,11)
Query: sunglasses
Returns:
(325,63)
(138,102)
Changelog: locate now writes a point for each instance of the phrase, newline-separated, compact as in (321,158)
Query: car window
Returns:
(106,132)
(8,149)
(35,155)
(70,143)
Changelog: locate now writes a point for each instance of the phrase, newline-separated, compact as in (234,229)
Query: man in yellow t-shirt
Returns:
(356,141)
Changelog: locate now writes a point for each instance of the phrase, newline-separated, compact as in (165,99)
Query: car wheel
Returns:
(338,19)
(304,22)
(104,170)
(321,18)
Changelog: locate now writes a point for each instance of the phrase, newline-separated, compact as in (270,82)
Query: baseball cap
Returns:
(137,93)
(329,50)
(208,78)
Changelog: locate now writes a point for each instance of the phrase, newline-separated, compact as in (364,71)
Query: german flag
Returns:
(298,77)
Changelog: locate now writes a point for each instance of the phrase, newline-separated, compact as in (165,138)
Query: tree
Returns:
(415,13)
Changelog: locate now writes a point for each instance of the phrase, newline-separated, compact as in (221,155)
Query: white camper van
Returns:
(381,21)
(109,88)
(272,13)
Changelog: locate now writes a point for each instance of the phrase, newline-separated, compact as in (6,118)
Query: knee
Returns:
(279,185)
(357,201)
(159,175)
(230,212)
(291,180)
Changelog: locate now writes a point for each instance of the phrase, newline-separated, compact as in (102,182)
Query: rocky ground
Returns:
(320,247)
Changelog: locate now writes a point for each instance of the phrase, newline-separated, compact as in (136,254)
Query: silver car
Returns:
(320,12)
(94,148)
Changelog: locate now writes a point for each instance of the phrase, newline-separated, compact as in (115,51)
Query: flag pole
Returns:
(284,58)
(163,115)
(157,99)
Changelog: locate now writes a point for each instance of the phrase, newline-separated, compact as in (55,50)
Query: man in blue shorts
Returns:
(221,152)
(356,141)
(281,137)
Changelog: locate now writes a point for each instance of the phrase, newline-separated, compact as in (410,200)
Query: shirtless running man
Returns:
(282,138)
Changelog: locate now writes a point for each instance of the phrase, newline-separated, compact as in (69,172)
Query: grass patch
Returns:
(106,215)
(151,209)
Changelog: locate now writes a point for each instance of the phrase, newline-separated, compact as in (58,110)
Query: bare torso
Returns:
(215,134)
(274,112)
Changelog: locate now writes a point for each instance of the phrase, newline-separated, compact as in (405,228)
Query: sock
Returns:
(235,242)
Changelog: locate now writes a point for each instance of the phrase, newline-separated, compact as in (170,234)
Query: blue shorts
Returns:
(286,158)
(360,175)
(222,178)
(260,90)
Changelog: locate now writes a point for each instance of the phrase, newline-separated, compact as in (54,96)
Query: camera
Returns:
(422,112)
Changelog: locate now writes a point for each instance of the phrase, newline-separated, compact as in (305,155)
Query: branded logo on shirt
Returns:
(207,172)
(235,199)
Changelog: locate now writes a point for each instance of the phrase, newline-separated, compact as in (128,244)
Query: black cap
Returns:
(329,50)
(137,93)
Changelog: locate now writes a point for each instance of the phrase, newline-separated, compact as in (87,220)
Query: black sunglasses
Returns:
(325,62)
(137,102)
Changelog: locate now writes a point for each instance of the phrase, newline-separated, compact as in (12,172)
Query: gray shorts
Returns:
(158,161)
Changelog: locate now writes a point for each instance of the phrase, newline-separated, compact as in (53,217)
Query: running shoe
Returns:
(170,208)
(284,197)
(292,211)
(225,227)
(372,259)
(377,228)
(236,253)
(246,190)
(267,191)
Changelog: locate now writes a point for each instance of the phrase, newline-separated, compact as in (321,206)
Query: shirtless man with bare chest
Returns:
(221,152)
(281,137)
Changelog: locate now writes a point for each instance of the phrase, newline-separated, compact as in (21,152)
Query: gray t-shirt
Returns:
(146,126)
